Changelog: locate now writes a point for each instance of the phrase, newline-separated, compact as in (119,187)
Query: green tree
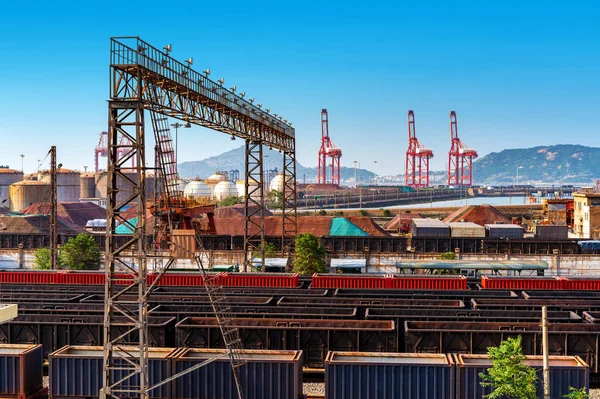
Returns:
(229,201)
(387,213)
(309,255)
(576,393)
(42,259)
(448,256)
(275,199)
(509,377)
(270,251)
(81,253)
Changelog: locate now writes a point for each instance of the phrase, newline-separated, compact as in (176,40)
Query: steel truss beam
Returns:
(126,118)
(145,78)
(288,202)
(254,203)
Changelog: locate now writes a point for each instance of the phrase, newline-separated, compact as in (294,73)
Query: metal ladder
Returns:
(162,134)
(225,319)
(212,283)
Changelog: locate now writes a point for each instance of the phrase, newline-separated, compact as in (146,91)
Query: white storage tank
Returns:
(225,189)
(8,177)
(196,189)
(212,182)
(27,192)
(68,184)
(252,189)
(277,183)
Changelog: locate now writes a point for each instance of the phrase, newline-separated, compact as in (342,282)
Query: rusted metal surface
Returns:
(573,339)
(535,304)
(20,370)
(463,295)
(314,337)
(56,331)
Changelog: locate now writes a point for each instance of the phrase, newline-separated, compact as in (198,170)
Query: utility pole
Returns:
(53,211)
(546,369)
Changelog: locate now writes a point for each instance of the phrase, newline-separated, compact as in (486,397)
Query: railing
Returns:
(154,60)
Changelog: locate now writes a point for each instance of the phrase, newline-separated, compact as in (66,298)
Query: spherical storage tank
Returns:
(212,182)
(8,177)
(68,184)
(196,189)
(27,192)
(225,189)
(277,183)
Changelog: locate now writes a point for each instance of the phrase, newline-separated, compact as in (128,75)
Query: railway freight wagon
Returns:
(314,337)
(564,339)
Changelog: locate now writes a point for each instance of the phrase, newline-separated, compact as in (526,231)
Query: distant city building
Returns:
(586,223)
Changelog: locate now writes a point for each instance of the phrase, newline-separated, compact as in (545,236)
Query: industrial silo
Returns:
(126,189)
(252,189)
(27,192)
(225,189)
(68,184)
(87,183)
(8,177)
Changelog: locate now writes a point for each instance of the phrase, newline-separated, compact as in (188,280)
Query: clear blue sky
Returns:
(518,74)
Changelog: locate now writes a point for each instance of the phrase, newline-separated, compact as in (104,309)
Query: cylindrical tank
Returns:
(126,190)
(68,184)
(225,189)
(196,189)
(8,177)
(87,185)
(27,192)
(252,189)
(212,182)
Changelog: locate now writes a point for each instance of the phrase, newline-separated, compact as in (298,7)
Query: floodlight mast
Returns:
(144,78)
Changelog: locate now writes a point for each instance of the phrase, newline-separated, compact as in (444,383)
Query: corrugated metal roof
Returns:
(477,265)
(464,225)
(428,223)
(348,263)
(271,262)
(503,226)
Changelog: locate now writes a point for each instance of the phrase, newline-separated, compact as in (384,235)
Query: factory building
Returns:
(586,218)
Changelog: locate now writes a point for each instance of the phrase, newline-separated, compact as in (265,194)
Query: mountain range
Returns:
(234,160)
(559,164)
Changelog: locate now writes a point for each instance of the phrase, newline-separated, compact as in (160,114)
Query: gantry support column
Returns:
(288,203)
(254,203)
(126,303)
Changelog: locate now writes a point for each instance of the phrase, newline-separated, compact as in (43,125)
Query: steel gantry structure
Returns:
(328,149)
(145,79)
(460,158)
(417,158)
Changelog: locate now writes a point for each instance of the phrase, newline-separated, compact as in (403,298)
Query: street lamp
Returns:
(518,167)
(374,174)
(177,125)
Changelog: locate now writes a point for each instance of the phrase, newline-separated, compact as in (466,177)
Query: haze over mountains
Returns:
(561,164)
(558,164)
(234,159)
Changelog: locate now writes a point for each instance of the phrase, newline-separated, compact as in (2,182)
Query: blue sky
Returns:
(518,74)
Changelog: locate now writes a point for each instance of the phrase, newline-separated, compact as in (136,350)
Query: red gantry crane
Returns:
(417,158)
(328,149)
(101,149)
(460,158)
